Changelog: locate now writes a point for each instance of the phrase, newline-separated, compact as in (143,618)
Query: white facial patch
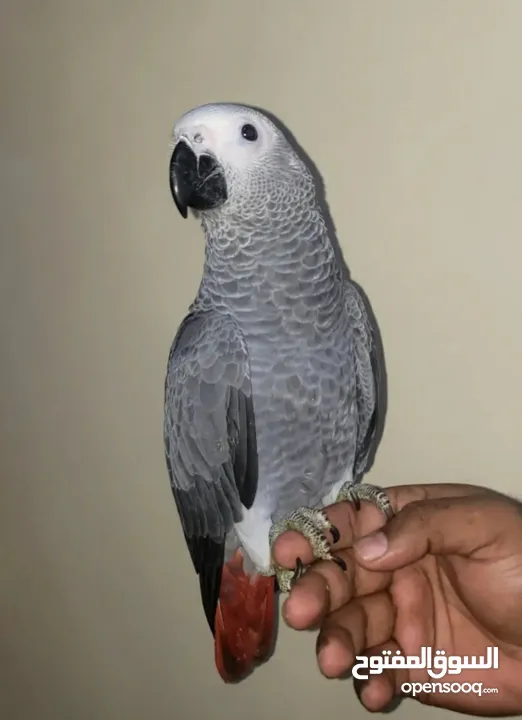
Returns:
(217,129)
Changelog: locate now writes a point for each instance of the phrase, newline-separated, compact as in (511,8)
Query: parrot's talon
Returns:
(311,524)
(336,535)
(369,493)
(339,561)
(299,571)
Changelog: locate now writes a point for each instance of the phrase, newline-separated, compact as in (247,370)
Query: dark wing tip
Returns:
(208,556)
(210,500)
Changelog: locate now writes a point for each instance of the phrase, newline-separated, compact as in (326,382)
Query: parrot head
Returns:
(230,158)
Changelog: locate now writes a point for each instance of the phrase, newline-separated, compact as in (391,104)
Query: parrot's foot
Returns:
(369,493)
(311,524)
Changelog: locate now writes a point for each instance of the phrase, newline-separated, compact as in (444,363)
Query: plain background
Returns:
(412,110)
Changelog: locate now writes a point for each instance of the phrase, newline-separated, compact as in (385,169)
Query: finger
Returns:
(460,525)
(378,691)
(291,545)
(352,524)
(326,587)
(323,588)
(360,624)
(412,596)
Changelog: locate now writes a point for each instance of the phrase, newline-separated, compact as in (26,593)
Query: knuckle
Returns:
(414,514)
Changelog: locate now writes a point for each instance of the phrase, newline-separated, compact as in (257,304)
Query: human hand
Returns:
(449,576)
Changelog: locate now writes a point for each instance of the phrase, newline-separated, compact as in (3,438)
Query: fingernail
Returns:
(372,546)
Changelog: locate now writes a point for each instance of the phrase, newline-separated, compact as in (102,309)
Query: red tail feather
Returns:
(245,619)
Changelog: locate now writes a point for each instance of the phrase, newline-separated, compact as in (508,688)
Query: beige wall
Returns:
(412,110)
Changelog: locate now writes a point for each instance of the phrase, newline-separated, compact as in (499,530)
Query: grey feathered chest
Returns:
(289,303)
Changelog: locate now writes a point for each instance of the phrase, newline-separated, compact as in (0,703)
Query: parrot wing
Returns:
(368,372)
(210,440)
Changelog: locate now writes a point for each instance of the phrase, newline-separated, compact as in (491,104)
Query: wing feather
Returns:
(210,439)
(369,377)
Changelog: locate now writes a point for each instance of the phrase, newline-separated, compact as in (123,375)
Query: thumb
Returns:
(467,526)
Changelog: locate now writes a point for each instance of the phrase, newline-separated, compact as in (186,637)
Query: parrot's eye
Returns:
(249,132)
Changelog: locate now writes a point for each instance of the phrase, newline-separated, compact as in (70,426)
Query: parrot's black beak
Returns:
(196,181)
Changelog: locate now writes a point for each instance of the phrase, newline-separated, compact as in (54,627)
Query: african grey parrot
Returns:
(271,393)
